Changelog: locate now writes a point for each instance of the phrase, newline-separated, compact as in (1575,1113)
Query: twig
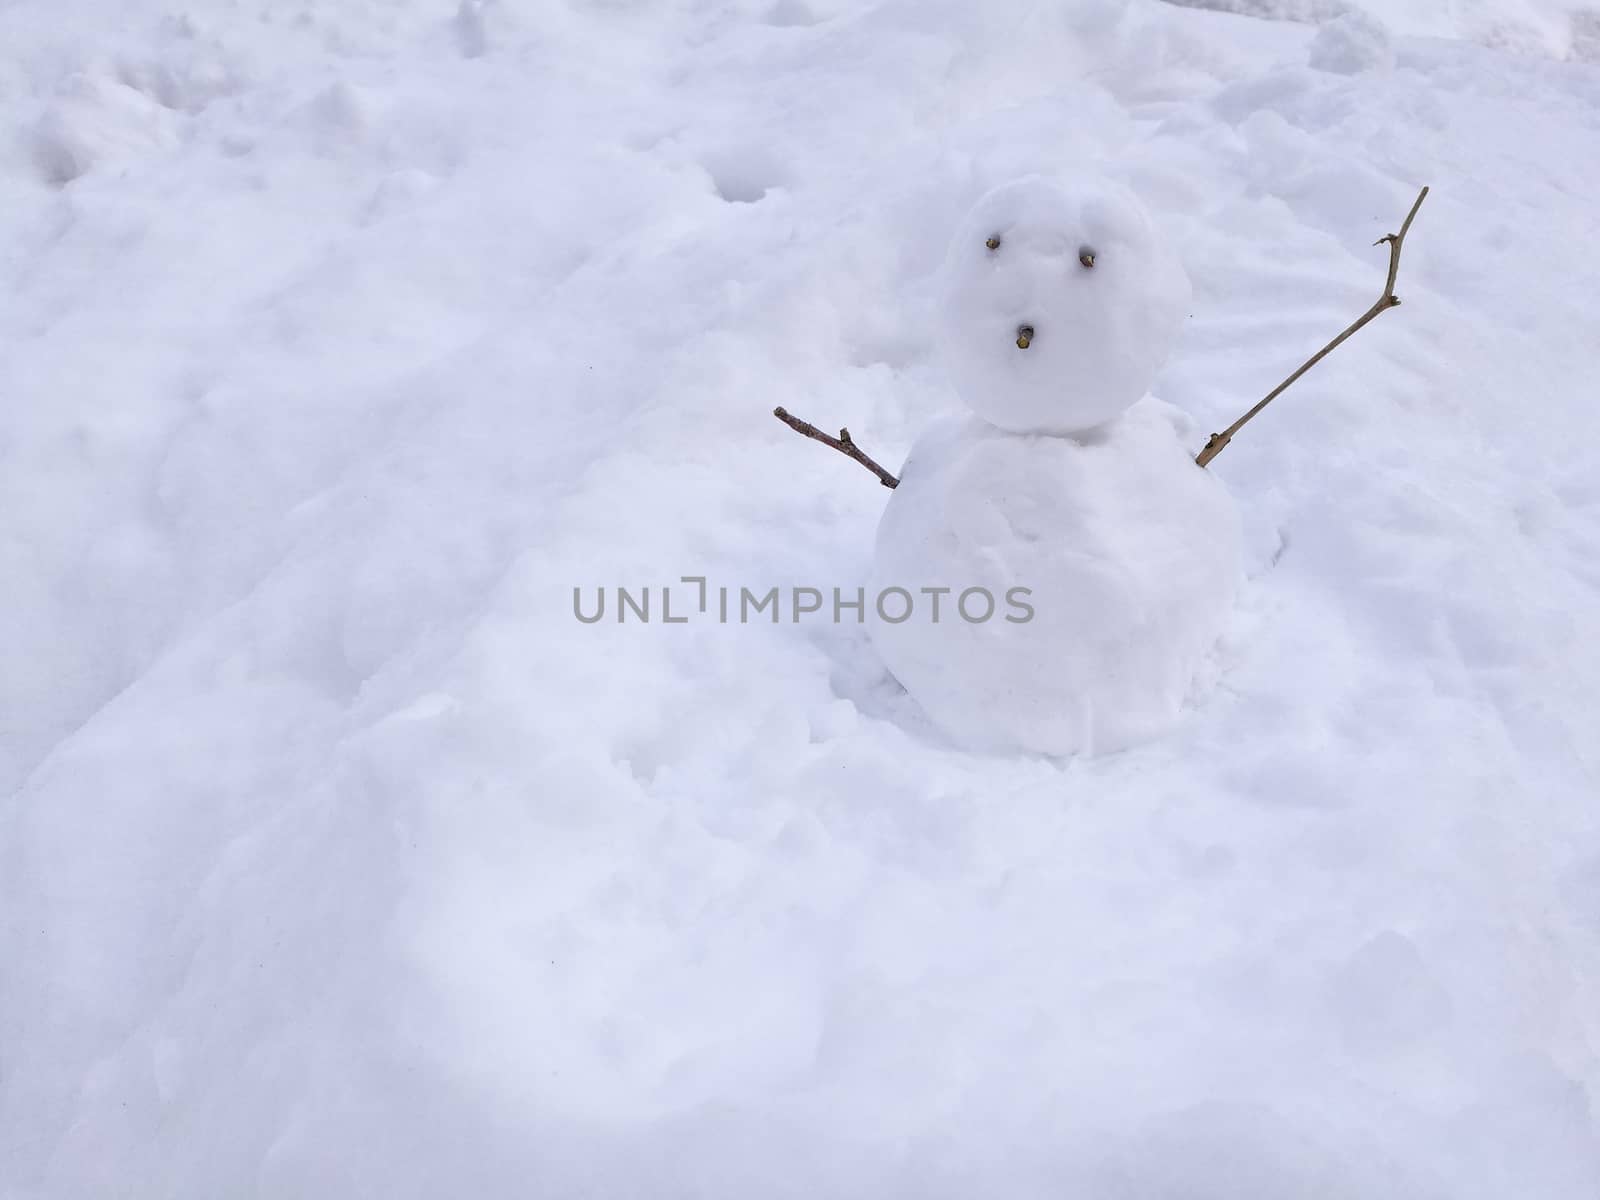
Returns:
(842,444)
(1384,302)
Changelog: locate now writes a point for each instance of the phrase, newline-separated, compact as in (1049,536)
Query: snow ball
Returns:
(1127,557)
(1351,44)
(1058,306)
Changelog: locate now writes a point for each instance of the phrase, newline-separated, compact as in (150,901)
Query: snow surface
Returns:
(1080,269)
(1055,594)
(341,342)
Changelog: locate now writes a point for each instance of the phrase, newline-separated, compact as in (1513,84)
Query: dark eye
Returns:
(994,241)
(1086,256)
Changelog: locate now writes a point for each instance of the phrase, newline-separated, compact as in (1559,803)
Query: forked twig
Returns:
(842,444)
(1388,300)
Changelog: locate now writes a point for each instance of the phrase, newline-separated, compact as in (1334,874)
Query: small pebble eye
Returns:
(994,241)
(1086,256)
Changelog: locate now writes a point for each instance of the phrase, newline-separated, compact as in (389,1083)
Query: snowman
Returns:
(1052,567)
(1064,493)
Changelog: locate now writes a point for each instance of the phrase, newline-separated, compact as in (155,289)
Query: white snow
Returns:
(340,342)
(1123,557)
(1350,44)
(1082,271)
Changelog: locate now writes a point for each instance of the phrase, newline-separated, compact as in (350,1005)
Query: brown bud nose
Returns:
(1024,336)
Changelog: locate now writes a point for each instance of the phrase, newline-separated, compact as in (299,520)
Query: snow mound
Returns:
(1085,580)
(96,120)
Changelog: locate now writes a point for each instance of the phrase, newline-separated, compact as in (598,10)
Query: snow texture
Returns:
(337,859)
(1129,557)
(1350,44)
(1098,332)
(1553,28)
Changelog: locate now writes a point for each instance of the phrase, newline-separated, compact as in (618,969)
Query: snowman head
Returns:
(1058,306)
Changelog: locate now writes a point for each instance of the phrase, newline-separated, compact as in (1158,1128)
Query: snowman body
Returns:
(1097,561)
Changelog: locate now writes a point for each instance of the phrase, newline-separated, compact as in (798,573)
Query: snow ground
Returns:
(340,342)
